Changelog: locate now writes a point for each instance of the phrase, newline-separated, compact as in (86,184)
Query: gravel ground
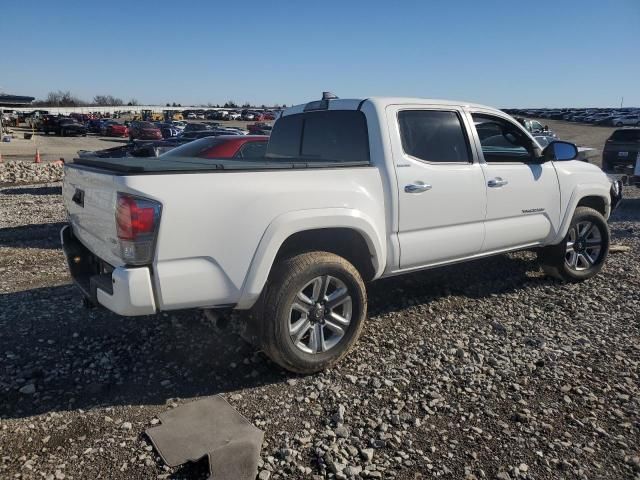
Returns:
(481,370)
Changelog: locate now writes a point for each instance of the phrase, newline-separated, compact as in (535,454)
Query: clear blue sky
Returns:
(498,52)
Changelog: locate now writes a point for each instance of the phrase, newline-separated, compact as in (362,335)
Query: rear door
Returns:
(523,195)
(442,197)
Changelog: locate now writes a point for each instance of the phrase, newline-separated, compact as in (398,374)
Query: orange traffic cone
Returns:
(37,157)
(0,157)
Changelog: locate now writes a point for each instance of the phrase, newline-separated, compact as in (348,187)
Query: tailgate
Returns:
(90,200)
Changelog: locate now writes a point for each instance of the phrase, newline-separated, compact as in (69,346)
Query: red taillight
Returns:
(135,217)
(137,221)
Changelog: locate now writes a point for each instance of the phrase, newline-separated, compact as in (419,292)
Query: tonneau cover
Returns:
(152,165)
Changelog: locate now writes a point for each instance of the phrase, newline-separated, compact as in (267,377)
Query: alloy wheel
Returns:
(320,314)
(584,246)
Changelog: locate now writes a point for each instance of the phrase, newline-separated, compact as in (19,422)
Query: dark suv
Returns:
(622,151)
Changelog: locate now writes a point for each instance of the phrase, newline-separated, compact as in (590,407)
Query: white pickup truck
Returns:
(349,191)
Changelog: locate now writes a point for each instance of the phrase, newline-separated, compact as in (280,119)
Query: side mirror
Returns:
(560,151)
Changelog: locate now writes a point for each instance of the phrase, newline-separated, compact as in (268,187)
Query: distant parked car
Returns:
(151,148)
(224,146)
(535,127)
(234,116)
(621,151)
(117,130)
(196,127)
(168,129)
(195,134)
(104,124)
(68,127)
(144,131)
(630,120)
(93,125)
(248,115)
(260,128)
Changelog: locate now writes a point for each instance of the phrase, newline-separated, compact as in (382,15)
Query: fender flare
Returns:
(578,193)
(285,225)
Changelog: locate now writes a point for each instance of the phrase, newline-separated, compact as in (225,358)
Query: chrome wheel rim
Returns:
(320,315)
(584,245)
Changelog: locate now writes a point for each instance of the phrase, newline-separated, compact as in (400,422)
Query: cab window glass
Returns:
(501,140)
(434,136)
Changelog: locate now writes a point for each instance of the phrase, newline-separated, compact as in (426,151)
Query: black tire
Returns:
(585,260)
(619,124)
(287,279)
(62,132)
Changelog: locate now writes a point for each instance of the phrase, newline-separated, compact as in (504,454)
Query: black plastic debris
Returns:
(209,427)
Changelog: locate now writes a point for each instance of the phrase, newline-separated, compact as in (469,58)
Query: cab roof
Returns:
(381,103)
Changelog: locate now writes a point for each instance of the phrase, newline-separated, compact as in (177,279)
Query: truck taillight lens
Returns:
(137,221)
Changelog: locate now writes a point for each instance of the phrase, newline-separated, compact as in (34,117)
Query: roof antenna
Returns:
(328,96)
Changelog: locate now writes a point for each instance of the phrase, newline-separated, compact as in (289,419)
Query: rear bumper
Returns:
(125,291)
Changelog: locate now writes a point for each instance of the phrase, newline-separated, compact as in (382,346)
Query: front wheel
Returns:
(582,252)
(314,309)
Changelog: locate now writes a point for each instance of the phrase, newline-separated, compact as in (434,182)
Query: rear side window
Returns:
(434,136)
(626,136)
(336,136)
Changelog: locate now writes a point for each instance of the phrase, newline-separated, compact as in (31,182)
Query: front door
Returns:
(442,195)
(523,195)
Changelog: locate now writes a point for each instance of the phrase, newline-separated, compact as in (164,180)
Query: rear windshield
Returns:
(626,136)
(321,136)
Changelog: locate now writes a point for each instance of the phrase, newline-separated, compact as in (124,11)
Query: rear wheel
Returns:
(314,310)
(619,124)
(582,252)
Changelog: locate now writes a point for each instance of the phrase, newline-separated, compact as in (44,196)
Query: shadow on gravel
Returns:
(32,191)
(43,235)
(78,358)
(82,359)
(475,279)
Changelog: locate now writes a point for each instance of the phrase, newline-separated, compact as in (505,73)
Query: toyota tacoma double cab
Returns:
(349,191)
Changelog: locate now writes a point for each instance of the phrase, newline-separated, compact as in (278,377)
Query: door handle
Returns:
(497,182)
(417,187)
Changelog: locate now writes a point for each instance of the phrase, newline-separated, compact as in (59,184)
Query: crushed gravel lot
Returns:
(481,370)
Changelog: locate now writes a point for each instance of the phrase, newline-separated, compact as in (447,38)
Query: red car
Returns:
(144,131)
(223,147)
(117,130)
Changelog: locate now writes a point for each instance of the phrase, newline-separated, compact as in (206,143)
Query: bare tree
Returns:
(60,99)
(107,100)
(133,102)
